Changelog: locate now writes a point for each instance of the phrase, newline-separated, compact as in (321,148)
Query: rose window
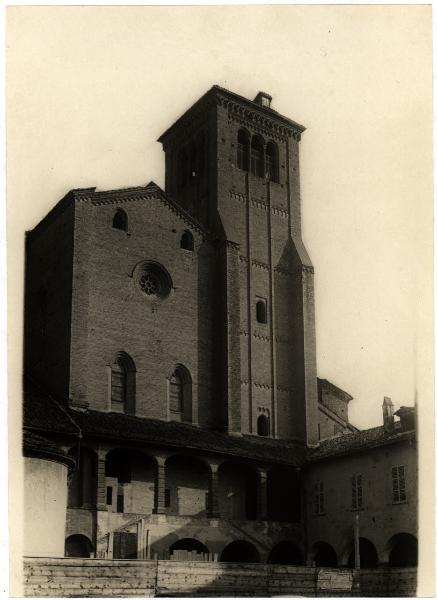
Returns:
(153,280)
(149,284)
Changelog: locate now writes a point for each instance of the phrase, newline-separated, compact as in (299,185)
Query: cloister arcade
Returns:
(130,481)
(135,484)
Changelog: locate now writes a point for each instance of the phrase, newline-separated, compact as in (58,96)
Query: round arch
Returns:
(401,550)
(78,546)
(286,553)
(323,555)
(240,551)
(368,555)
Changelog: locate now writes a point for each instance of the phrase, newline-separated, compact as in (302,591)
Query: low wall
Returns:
(64,577)
(388,582)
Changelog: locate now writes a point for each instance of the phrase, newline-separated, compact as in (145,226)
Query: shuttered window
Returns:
(176,393)
(399,488)
(118,387)
(319,498)
(357,492)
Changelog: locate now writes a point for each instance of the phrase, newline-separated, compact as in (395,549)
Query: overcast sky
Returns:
(91,89)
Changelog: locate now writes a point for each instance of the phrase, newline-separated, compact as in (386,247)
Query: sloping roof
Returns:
(151,190)
(35,445)
(43,414)
(357,442)
(330,387)
(117,426)
(335,417)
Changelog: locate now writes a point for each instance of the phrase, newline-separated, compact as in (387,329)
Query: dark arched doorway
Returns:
(286,553)
(368,555)
(240,551)
(78,546)
(403,552)
(324,555)
(188,549)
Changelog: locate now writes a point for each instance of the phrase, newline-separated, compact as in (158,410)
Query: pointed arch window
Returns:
(120,220)
(180,395)
(272,162)
(123,384)
(243,150)
(187,241)
(257,156)
(263,426)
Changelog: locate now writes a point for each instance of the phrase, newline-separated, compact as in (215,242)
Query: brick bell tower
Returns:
(233,164)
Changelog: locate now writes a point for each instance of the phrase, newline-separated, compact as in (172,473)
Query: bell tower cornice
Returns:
(255,116)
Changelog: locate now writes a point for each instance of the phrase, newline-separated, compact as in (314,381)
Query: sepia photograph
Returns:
(220,296)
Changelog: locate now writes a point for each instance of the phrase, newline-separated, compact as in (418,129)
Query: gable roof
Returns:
(151,190)
(357,442)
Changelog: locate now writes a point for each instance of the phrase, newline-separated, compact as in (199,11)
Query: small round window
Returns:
(154,281)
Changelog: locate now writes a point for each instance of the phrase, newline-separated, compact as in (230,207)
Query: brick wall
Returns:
(120,317)
(84,577)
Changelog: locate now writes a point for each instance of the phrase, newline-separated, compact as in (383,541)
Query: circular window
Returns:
(149,284)
(154,281)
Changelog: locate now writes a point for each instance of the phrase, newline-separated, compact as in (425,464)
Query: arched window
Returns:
(263,426)
(120,220)
(176,393)
(272,161)
(261,311)
(180,394)
(257,156)
(187,241)
(123,384)
(243,150)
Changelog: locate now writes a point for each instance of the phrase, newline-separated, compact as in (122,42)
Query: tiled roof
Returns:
(182,435)
(356,442)
(38,446)
(44,414)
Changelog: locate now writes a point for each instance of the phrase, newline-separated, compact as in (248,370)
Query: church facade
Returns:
(172,403)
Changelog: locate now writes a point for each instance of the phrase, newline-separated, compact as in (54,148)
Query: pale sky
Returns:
(91,89)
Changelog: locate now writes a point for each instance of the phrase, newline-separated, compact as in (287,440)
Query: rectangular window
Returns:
(118,387)
(357,492)
(109,495)
(398,479)
(176,404)
(319,498)
(120,503)
(167,498)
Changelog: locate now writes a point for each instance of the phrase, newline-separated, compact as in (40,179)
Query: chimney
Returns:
(388,415)
(263,99)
